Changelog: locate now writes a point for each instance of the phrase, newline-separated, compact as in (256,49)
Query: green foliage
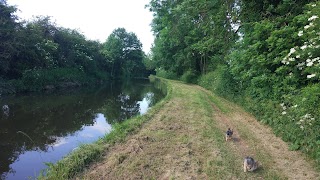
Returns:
(8,42)
(149,62)
(36,53)
(191,35)
(297,120)
(220,81)
(206,81)
(36,80)
(189,77)
(165,74)
(124,51)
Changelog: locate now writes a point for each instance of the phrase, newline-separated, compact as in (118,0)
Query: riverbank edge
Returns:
(76,161)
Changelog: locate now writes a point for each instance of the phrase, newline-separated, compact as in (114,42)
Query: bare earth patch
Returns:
(177,144)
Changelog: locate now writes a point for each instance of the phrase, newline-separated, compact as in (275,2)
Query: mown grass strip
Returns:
(228,164)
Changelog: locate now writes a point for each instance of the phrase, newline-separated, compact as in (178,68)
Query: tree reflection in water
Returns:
(41,123)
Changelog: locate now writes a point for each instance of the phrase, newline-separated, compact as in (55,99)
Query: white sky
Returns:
(96,19)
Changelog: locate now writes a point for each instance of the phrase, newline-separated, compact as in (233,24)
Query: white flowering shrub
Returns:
(305,121)
(304,59)
(280,67)
(298,121)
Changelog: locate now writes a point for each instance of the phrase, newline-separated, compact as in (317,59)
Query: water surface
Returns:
(41,128)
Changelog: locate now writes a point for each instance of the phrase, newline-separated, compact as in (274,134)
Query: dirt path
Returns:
(185,140)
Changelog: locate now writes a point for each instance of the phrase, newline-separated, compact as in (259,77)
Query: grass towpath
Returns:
(185,139)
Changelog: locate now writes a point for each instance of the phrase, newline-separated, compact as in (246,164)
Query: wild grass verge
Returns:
(79,159)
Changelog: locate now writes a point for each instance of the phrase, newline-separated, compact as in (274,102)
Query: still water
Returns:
(42,128)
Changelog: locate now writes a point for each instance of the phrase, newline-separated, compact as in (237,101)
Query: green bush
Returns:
(189,77)
(206,81)
(221,82)
(302,112)
(35,80)
(165,74)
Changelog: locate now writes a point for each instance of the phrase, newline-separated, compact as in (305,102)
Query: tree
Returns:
(8,41)
(124,50)
(191,36)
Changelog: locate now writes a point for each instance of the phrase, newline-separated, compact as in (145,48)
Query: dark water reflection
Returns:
(44,128)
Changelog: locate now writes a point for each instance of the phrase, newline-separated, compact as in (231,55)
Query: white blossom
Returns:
(303,47)
(316,59)
(283,113)
(292,50)
(313,5)
(313,18)
(307,116)
(300,33)
(291,59)
(306,26)
(311,76)
(309,64)
(284,61)
(300,65)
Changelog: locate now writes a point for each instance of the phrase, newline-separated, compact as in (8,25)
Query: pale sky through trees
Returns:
(96,19)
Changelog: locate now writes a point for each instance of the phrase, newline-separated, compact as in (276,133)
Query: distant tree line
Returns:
(262,54)
(37,54)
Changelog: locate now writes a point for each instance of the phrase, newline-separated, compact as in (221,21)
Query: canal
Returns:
(40,128)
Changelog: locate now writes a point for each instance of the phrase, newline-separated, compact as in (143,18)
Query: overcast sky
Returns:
(96,19)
